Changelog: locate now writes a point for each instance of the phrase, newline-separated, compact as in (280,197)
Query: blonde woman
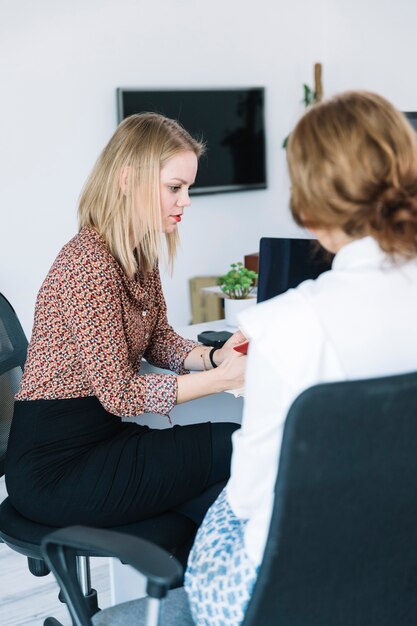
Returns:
(100,310)
(353,169)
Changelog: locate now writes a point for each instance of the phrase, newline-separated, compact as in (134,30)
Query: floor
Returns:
(28,600)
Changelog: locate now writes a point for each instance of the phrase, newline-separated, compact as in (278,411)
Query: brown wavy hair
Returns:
(130,220)
(353,165)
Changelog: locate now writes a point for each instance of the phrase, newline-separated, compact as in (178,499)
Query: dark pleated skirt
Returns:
(72,462)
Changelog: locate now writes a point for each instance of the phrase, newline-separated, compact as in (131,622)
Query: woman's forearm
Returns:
(192,386)
(228,375)
(198,359)
(228,372)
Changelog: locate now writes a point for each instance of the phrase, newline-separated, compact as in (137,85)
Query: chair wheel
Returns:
(37,567)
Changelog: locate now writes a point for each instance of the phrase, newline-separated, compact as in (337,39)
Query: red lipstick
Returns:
(177,218)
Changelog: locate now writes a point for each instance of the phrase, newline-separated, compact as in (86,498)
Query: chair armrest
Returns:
(160,568)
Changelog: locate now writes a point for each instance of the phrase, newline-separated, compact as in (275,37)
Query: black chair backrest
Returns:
(285,263)
(13,349)
(342,547)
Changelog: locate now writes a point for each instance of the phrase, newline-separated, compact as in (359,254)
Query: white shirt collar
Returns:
(363,252)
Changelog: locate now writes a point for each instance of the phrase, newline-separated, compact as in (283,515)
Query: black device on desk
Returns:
(284,263)
(214,338)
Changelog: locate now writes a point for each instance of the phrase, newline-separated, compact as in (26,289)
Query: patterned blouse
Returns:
(92,327)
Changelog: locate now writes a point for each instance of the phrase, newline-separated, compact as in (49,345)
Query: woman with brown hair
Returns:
(353,168)
(101,310)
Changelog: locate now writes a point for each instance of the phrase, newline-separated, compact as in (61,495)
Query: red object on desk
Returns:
(242,347)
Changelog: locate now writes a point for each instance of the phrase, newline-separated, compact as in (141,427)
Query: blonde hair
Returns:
(353,165)
(137,151)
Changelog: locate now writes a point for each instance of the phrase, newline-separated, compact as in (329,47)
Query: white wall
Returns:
(61,62)
(372,44)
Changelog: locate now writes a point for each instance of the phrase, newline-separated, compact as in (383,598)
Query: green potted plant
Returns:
(237,286)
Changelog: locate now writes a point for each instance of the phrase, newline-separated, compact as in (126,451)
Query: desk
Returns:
(126,584)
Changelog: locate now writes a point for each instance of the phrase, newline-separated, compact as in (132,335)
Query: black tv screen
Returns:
(229,121)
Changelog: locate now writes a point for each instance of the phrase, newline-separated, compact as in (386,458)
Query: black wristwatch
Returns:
(212,351)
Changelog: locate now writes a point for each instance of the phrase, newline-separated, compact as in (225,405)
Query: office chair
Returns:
(342,544)
(172,531)
(285,263)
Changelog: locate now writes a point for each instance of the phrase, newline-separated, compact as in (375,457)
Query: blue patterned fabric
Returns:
(220,577)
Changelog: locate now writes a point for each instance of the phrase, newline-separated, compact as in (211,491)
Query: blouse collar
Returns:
(361,253)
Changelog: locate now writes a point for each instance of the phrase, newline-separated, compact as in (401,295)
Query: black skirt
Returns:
(72,462)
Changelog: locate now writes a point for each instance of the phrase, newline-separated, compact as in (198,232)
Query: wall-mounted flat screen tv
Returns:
(229,121)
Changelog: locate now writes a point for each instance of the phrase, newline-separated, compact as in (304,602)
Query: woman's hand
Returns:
(223,353)
(228,375)
(232,370)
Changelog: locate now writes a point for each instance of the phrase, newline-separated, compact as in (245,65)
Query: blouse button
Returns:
(147,336)
(143,313)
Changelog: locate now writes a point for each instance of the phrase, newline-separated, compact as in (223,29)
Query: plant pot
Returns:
(233,307)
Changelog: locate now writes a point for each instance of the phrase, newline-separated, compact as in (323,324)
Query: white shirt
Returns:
(358,320)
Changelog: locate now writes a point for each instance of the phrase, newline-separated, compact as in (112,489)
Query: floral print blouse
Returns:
(92,327)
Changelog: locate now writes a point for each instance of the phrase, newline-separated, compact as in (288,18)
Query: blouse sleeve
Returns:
(91,304)
(166,349)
